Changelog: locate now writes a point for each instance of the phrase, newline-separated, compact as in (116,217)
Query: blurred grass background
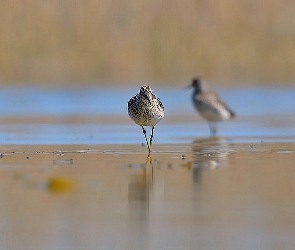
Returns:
(158,41)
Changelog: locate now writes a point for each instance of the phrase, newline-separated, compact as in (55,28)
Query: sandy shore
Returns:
(211,194)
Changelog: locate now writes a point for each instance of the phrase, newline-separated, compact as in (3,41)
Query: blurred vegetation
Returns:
(131,41)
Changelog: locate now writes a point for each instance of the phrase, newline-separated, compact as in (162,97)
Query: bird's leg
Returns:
(213,128)
(152,137)
(147,143)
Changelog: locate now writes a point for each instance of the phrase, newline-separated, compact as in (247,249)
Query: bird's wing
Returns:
(160,103)
(210,98)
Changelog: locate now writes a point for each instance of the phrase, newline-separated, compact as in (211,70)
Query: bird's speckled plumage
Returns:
(145,109)
(209,105)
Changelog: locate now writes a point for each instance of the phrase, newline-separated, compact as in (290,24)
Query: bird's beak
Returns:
(188,87)
(146,96)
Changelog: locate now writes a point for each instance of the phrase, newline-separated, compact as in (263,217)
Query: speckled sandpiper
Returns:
(209,105)
(145,109)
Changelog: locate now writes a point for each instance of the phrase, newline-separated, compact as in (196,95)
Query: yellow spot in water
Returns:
(60,185)
(187,165)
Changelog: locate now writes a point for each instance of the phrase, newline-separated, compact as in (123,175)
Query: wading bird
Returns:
(145,109)
(210,106)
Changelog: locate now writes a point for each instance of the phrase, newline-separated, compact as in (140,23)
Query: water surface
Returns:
(210,194)
(74,172)
(99,116)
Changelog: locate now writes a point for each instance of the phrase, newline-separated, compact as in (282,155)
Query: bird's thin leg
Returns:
(213,128)
(147,142)
(152,137)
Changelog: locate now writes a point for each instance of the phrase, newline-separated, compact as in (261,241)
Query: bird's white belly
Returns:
(152,120)
(214,114)
(146,118)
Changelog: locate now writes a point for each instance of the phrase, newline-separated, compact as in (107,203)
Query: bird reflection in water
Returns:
(140,184)
(209,153)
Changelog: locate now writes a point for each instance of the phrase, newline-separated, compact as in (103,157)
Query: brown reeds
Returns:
(114,41)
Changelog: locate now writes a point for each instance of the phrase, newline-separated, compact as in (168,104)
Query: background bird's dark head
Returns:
(197,84)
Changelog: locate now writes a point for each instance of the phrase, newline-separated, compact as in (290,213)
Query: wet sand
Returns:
(210,194)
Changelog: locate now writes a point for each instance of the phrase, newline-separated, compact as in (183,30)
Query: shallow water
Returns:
(99,116)
(74,175)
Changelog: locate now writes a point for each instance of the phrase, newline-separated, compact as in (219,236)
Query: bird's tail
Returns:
(232,114)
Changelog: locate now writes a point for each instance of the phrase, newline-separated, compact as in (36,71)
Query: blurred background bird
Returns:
(209,105)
